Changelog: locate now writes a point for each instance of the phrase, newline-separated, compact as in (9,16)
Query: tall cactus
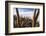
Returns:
(35,17)
(17,17)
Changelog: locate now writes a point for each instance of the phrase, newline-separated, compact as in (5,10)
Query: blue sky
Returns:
(25,9)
